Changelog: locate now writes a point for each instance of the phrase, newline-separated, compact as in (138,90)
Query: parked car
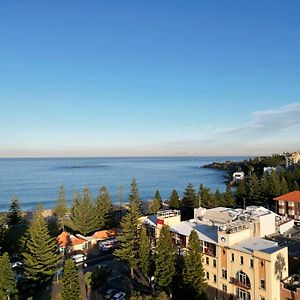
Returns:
(109,294)
(119,296)
(78,258)
(109,244)
(16,264)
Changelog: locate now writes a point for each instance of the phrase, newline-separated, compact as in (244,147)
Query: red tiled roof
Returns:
(104,234)
(292,197)
(66,238)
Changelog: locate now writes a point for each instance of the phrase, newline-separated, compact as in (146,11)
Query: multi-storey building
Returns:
(238,262)
(289,205)
(292,158)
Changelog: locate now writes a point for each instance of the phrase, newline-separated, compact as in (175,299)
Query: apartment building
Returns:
(292,158)
(289,205)
(238,262)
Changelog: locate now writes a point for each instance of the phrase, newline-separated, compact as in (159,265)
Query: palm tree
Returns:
(279,266)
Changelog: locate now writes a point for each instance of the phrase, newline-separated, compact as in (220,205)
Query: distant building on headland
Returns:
(236,176)
(292,158)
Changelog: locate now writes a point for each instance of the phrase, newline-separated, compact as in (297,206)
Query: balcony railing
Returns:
(239,283)
(210,252)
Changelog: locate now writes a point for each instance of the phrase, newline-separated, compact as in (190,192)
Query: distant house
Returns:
(103,235)
(72,243)
(236,176)
(289,205)
(292,158)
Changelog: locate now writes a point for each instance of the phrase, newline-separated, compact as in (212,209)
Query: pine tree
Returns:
(190,199)
(165,259)
(70,282)
(241,192)
(274,184)
(174,200)
(193,272)
(144,252)
(156,204)
(203,196)
(218,199)
(8,289)
(15,215)
(40,252)
(83,213)
(104,209)
(61,207)
(283,186)
(229,200)
(129,238)
(296,186)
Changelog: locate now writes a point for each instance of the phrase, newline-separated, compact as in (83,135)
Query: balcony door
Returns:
(242,295)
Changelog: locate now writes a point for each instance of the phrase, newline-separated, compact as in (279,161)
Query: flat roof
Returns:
(205,232)
(292,197)
(256,244)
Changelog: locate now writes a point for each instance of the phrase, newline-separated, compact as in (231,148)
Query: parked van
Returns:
(78,258)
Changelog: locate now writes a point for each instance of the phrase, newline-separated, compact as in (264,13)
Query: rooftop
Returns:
(205,232)
(292,197)
(256,244)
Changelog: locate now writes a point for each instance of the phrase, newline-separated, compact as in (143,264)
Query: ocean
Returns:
(37,180)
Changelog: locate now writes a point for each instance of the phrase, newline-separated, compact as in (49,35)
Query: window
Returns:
(207,275)
(207,260)
(215,278)
(232,257)
(262,298)
(262,284)
(224,288)
(214,263)
(251,263)
(242,260)
(224,274)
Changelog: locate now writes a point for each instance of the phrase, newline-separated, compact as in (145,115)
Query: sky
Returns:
(128,78)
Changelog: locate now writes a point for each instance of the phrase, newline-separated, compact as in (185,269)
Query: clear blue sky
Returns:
(149,77)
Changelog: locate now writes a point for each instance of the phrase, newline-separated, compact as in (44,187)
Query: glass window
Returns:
(262,284)
(215,278)
(242,260)
(207,260)
(207,275)
(224,288)
(232,257)
(214,263)
(251,263)
(224,274)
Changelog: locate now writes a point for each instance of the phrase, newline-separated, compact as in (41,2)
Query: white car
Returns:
(16,264)
(119,296)
(109,294)
(78,258)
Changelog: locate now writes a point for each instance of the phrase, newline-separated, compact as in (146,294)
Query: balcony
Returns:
(210,252)
(239,283)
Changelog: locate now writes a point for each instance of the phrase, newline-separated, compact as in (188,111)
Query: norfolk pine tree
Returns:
(193,272)
(190,199)
(165,259)
(8,289)
(174,202)
(70,282)
(14,216)
(61,207)
(104,209)
(144,252)
(156,204)
(129,237)
(83,213)
(40,251)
